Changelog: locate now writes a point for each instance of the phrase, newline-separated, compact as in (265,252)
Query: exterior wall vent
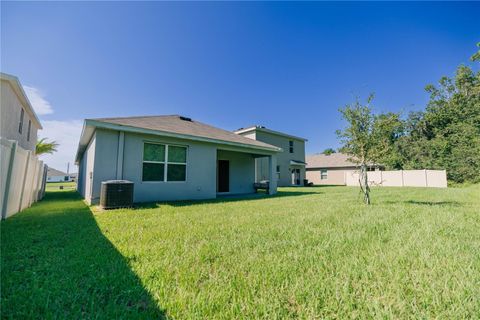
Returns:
(116,194)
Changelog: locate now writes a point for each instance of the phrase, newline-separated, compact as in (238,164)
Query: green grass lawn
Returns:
(306,253)
(54,186)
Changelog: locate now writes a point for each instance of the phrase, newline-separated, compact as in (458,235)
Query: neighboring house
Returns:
(168,158)
(23,175)
(54,175)
(18,119)
(290,162)
(332,169)
(73,176)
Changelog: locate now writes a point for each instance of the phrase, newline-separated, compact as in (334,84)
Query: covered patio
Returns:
(236,171)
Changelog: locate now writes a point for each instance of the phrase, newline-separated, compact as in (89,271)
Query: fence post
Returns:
(426,180)
(402,179)
(34,179)
(13,151)
(24,181)
(39,182)
(44,180)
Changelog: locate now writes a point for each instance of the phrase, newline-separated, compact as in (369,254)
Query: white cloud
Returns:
(66,134)
(38,101)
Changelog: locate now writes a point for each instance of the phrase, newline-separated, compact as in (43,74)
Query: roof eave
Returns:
(85,137)
(90,125)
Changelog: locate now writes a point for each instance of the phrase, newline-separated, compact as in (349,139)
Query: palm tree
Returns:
(44,147)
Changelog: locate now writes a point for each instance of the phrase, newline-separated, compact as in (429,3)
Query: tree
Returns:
(447,134)
(476,55)
(45,147)
(357,139)
(328,151)
(368,137)
(389,128)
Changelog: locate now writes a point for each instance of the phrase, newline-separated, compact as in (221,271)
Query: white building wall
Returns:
(335,176)
(85,171)
(283,158)
(58,179)
(242,171)
(10,110)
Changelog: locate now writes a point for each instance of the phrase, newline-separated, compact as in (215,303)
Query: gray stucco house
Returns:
(169,158)
(290,167)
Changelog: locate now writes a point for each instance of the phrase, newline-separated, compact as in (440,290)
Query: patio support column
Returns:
(272,166)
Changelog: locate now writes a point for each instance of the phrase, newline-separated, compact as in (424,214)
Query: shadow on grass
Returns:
(435,203)
(426,203)
(56,263)
(224,199)
(327,186)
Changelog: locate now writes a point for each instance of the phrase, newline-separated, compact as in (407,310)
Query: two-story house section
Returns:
(18,119)
(290,162)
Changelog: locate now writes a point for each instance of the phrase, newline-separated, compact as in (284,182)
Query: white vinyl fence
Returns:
(401,178)
(22,178)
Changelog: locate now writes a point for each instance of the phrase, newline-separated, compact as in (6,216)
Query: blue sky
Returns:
(288,66)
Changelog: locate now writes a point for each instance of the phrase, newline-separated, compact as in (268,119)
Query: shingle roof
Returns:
(264,129)
(335,160)
(175,124)
(51,172)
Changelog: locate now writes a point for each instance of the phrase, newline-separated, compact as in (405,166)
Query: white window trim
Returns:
(29,129)
(20,124)
(322,171)
(165,162)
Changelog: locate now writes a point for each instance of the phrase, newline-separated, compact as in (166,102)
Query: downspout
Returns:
(121,145)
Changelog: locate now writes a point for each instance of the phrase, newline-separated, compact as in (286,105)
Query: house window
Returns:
(278,172)
(20,125)
(290,145)
(28,130)
(164,162)
(323,174)
(177,163)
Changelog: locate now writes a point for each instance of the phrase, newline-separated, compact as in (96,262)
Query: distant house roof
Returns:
(334,160)
(51,172)
(263,129)
(22,96)
(170,125)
